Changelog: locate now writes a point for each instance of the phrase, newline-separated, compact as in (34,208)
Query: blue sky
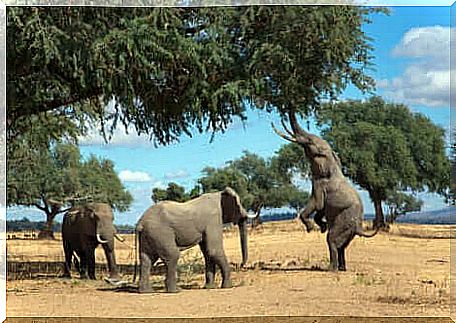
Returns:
(412,67)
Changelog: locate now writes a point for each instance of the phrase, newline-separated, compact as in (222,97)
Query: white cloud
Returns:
(130,176)
(425,81)
(119,138)
(425,42)
(178,174)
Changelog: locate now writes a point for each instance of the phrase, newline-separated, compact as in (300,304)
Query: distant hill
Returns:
(443,216)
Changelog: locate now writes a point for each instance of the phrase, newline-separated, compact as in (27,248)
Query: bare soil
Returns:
(405,272)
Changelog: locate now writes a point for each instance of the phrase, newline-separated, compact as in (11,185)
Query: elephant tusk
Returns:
(100,240)
(251,215)
(119,237)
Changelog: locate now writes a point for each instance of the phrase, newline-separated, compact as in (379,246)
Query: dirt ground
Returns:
(405,272)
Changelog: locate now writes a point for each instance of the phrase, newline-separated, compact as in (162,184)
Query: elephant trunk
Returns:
(243,234)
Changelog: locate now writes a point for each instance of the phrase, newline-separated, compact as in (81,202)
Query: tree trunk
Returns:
(47,233)
(379,221)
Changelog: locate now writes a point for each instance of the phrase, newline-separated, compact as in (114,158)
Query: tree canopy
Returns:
(385,148)
(174,192)
(168,71)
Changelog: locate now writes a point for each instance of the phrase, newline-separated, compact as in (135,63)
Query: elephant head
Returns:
(105,232)
(324,161)
(234,212)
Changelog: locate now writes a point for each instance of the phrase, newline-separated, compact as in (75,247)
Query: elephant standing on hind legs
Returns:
(83,229)
(168,227)
(332,195)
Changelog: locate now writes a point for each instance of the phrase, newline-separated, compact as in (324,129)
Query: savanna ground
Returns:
(405,272)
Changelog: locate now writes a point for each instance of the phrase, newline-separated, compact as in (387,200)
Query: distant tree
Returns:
(257,182)
(54,178)
(400,203)
(173,192)
(385,148)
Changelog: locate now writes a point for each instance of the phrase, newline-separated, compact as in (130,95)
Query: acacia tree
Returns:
(400,203)
(385,148)
(169,70)
(56,178)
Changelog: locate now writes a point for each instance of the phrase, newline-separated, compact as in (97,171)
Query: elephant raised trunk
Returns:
(243,235)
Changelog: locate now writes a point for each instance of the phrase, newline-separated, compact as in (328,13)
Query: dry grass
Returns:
(403,272)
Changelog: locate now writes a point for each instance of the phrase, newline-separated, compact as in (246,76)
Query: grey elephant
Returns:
(83,229)
(168,227)
(332,198)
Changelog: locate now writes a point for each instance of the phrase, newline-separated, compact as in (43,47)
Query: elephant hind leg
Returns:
(146,264)
(171,260)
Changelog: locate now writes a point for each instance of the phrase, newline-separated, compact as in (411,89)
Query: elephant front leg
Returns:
(91,264)
(83,266)
(210,267)
(304,215)
(111,259)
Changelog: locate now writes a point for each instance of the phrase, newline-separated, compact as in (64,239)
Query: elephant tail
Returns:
(137,237)
(361,233)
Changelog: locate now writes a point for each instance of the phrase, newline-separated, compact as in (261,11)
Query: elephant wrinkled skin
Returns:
(332,195)
(83,229)
(168,227)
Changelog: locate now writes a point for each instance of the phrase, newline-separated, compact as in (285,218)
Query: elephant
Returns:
(169,227)
(332,198)
(83,228)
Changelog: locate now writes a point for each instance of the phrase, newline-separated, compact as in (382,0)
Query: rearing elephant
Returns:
(332,195)
(83,229)
(168,227)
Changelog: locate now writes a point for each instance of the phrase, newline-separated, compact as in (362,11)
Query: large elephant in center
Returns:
(168,227)
(83,229)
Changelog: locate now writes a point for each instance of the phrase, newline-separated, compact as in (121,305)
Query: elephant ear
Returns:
(231,211)
(89,210)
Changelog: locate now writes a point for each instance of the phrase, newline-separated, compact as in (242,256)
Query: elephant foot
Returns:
(333,269)
(66,276)
(227,284)
(83,276)
(342,269)
(209,286)
(173,291)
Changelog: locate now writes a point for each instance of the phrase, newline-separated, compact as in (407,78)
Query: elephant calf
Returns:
(168,227)
(83,229)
